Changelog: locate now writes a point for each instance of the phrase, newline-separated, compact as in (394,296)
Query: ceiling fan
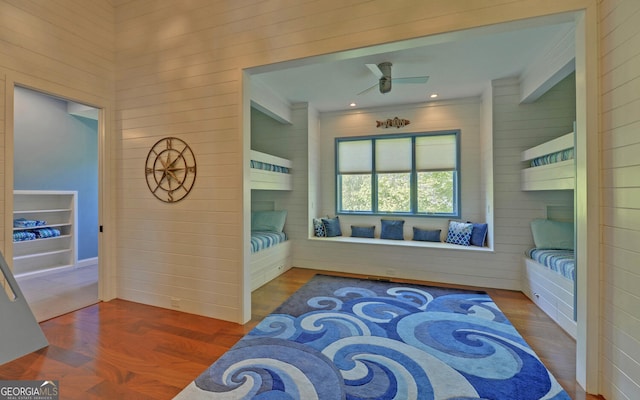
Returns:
(383,72)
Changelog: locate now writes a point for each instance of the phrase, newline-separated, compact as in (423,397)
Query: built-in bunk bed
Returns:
(269,172)
(270,249)
(549,268)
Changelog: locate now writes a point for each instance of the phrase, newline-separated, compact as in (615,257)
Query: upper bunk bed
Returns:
(551,165)
(269,172)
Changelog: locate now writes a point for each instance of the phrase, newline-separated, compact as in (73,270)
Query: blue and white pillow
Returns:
(459,233)
(318,228)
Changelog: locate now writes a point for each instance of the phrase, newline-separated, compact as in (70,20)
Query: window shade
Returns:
(393,155)
(355,157)
(436,153)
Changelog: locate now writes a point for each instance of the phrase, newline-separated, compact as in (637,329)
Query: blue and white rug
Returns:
(344,338)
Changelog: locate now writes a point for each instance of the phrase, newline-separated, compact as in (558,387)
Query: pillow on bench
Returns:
(392,229)
(363,231)
(426,235)
(478,234)
(459,233)
(332,226)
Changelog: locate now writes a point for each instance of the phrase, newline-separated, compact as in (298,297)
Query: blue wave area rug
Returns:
(344,338)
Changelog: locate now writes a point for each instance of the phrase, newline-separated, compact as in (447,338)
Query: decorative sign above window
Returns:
(395,123)
(170,169)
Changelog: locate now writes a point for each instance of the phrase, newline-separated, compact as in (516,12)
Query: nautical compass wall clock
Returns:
(170,169)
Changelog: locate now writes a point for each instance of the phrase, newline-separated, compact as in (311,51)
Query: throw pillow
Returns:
(268,220)
(332,226)
(392,229)
(426,235)
(478,234)
(459,233)
(318,228)
(362,231)
(549,234)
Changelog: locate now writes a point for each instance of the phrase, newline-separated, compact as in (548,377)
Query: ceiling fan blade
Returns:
(414,79)
(367,90)
(375,70)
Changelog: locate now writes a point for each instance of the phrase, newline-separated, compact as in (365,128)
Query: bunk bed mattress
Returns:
(560,261)
(261,240)
(269,167)
(552,158)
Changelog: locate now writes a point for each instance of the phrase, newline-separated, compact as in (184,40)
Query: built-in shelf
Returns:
(58,210)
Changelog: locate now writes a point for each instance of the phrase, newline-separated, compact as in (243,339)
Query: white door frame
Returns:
(106,184)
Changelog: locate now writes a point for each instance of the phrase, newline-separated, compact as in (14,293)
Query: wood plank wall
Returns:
(517,127)
(179,73)
(620,141)
(61,48)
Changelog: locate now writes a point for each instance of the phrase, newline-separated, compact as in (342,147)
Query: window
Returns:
(414,174)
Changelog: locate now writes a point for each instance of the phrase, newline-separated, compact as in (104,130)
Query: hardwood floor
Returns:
(125,350)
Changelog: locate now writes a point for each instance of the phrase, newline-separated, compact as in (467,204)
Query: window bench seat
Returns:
(400,243)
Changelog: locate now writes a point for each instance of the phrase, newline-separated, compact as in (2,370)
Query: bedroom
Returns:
(490,185)
(138,113)
(515,127)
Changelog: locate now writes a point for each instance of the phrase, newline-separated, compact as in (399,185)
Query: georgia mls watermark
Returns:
(29,390)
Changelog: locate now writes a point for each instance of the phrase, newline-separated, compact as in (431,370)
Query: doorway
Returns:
(55,208)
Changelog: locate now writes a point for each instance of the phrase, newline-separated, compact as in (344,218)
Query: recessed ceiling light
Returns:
(434,95)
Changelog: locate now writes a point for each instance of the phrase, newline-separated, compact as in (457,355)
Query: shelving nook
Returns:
(55,211)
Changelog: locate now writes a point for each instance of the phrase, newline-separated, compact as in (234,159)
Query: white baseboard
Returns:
(87,262)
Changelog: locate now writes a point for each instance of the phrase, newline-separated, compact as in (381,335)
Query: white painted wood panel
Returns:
(269,263)
(556,176)
(67,49)
(561,143)
(620,74)
(552,292)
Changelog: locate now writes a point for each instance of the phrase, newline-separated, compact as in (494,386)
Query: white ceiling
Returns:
(460,64)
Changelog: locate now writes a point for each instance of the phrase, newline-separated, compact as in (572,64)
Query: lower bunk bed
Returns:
(270,256)
(270,249)
(549,281)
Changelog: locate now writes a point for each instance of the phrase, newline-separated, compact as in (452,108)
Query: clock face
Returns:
(170,169)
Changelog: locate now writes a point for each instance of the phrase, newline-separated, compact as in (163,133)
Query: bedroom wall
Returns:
(515,127)
(620,213)
(184,59)
(54,150)
(462,114)
(66,49)
(180,73)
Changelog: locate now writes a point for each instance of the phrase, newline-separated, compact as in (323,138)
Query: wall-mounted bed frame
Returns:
(269,172)
(551,166)
(554,165)
(552,292)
